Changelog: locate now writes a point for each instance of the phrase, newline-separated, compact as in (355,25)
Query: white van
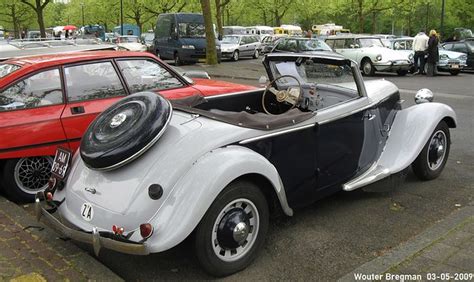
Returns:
(260,30)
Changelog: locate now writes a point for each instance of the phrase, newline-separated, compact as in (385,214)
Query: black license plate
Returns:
(61,162)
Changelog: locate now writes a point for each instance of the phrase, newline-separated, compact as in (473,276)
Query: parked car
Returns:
(466,47)
(237,46)
(147,38)
(48,101)
(370,53)
(300,45)
(217,167)
(181,37)
(449,61)
(268,42)
(129,43)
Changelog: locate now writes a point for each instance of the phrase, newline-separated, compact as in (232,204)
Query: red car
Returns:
(48,101)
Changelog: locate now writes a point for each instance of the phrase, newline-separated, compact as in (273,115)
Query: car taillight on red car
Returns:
(117,230)
(146,230)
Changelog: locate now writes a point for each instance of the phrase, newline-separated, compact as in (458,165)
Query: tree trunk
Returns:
(211,52)
(220,30)
(374,19)
(39,13)
(360,15)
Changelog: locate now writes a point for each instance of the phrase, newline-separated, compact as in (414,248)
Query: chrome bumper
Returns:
(94,238)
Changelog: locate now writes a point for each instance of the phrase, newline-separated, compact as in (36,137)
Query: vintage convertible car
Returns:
(151,172)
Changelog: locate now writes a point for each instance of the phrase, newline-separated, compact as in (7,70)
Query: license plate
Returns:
(455,66)
(61,163)
(87,212)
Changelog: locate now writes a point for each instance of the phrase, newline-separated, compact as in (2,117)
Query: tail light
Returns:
(49,196)
(117,230)
(146,230)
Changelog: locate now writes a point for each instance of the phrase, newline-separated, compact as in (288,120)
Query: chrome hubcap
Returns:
(367,68)
(235,230)
(437,150)
(32,174)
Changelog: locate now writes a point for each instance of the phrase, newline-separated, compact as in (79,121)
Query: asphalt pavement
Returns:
(416,228)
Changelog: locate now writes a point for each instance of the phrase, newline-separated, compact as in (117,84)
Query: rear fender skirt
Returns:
(198,188)
(410,131)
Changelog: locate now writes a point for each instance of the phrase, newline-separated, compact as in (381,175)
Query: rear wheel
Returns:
(235,56)
(24,177)
(431,161)
(256,54)
(233,229)
(367,67)
(402,72)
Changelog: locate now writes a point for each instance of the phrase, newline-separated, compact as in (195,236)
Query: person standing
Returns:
(420,44)
(433,53)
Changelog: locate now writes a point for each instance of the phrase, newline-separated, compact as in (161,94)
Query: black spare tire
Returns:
(125,130)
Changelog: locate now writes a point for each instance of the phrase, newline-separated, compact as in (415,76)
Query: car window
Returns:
(460,47)
(313,45)
(92,81)
(370,42)
(142,75)
(448,46)
(41,89)
(230,39)
(6,69)
(348,43)
(330,42)
(339,43)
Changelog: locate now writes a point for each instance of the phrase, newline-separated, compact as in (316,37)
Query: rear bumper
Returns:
(96,238)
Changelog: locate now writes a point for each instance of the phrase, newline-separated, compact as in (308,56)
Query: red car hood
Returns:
(210,87)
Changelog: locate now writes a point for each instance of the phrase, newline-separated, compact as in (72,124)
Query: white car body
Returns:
(370,57)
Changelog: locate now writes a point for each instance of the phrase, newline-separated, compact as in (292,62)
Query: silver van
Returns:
(236,46)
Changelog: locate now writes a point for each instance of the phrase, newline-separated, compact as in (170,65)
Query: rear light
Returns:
(117,230)
(146,230)
(49,196)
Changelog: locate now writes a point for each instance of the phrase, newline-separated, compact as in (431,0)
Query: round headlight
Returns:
(424,96)
(378,57)
(443,57)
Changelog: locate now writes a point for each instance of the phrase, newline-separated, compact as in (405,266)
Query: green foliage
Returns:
(403,17)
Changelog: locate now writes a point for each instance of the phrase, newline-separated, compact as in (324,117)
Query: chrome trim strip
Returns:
(232,94)
(283,200)
(273,134)
(93,238)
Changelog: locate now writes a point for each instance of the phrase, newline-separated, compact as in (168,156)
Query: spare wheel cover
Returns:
(125,130)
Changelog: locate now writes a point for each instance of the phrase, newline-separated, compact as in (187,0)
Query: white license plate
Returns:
(455,66)
(87,212)
(61,163)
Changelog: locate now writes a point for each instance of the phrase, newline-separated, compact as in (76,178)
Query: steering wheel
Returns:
(291,95)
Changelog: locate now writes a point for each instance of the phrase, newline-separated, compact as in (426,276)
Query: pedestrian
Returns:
(420,44)
(433,53)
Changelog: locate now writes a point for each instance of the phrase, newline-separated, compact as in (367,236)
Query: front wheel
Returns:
(24,177)
(431,161)
(454,72)
(368,68)
(235,56)
(233,229)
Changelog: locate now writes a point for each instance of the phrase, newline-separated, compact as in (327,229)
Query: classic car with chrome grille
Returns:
(370,53)
(49,100)
(150,172)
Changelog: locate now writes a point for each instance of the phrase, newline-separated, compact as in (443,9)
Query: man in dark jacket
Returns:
(433,54)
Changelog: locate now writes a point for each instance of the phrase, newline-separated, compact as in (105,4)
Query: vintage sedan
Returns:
(149,172)
(370,53)
(48,101)
(449,61)
(466,47)
(300,45)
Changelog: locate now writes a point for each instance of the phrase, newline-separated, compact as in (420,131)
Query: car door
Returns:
(30,115)
(90,89)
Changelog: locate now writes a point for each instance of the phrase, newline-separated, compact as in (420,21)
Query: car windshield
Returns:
(6,69)
(191,30)
(230,39)
(470,44)
(370,42)
(314,71)
(313,45)
(403,45)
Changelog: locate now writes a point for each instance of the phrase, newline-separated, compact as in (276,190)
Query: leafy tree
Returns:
(15,15)
(38,7)
(220,5)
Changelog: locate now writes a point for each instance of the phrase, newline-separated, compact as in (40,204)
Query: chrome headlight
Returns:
(378,57)
(218,47)
(424,96)
(443,57)
(410,57)
(463,57)
(187,46)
